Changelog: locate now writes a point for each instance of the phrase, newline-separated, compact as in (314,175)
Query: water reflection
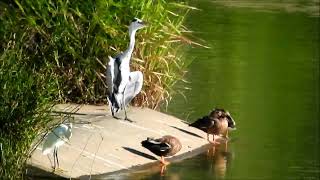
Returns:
(213,163)
(220,159)
(264,67)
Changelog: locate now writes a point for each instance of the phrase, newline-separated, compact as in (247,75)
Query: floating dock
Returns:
(101,144)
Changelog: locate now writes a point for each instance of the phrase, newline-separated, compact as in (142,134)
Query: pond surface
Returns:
(263,66)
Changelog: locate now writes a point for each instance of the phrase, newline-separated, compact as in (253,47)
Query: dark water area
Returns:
(263,66)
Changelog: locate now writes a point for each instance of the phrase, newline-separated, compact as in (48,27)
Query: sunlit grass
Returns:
(75,38)
(25,103)
(56,51)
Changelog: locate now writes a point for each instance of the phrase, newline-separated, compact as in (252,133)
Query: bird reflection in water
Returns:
(220,158)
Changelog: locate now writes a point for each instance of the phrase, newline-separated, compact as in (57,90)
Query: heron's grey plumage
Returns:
(123,85)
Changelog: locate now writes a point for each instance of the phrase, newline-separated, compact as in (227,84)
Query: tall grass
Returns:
(75,38)
(56,51)
(25,103)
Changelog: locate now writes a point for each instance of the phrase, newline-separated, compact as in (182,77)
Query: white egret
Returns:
(55,139)
(124,85)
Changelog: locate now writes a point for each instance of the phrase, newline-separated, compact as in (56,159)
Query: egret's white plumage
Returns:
(55,139)
(124,85)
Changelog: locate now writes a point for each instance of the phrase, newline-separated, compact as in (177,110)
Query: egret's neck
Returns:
(132,34)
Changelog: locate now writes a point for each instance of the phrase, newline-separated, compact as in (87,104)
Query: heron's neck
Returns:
(132,34)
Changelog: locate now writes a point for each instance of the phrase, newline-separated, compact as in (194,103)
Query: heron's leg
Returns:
(124,105)
(57,157)
(54,158)
(125,112)
(112,111)
(49,159)
(126,117)
(111,101)
(113,114)
(124,108)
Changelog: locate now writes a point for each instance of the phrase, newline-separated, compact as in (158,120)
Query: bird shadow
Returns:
(134,151)
(188,132)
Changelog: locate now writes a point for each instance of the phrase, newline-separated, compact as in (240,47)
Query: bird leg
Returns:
(124,108)
(112,112)
(214,141)
(114,116)
(164,162)
(163,165)
(208,137)
(54,159)
(125,115)
(163,168)
(50,160)
(57,157)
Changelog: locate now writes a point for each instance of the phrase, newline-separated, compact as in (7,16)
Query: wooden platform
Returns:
(101,144)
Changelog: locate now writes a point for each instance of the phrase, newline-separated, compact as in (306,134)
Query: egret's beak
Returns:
(144,23)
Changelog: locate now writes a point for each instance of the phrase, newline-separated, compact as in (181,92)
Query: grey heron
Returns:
(124,85)
(55,139)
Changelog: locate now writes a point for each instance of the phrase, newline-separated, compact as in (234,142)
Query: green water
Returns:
(263,66)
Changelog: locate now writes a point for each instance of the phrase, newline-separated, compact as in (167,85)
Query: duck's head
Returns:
(137,24)
(218,113)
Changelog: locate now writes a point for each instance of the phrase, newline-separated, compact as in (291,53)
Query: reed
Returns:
(25,102)
(75,38)
(56,51)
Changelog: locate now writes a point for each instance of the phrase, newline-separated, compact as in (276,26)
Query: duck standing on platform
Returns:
(124,85)
(163,147)
(217,123)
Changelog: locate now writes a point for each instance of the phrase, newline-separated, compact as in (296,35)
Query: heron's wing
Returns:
(113,77)
(133,87)
(110,74)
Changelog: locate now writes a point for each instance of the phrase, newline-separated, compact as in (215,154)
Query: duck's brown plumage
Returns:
(164,146)
(216,123)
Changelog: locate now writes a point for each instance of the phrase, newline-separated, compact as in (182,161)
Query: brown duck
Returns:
(163,147)
(217,123)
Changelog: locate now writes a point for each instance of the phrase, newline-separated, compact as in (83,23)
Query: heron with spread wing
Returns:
(124,85)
